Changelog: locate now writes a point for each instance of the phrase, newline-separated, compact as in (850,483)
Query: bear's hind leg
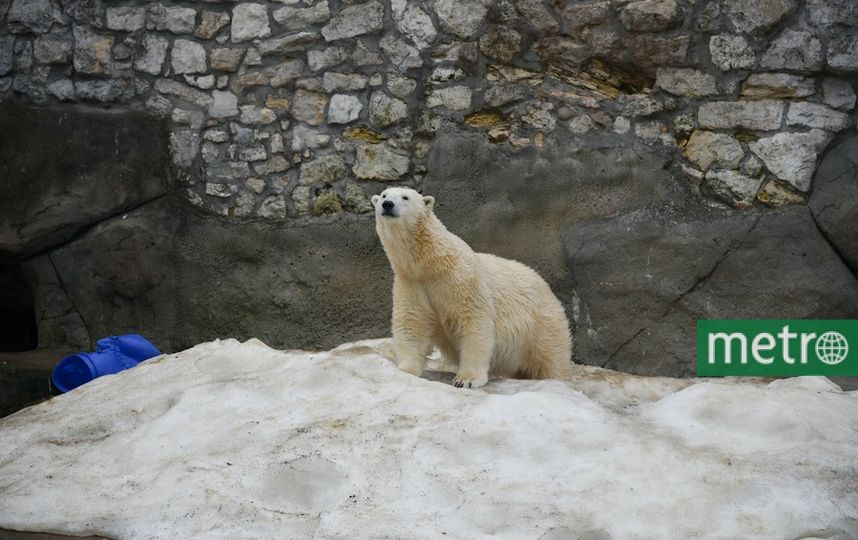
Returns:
(551,356)
(547,365)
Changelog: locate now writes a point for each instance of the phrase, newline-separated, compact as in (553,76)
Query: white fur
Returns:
(486,314)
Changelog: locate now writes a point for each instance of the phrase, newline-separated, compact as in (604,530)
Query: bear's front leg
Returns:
(477,345)
(411,329)
(410,352)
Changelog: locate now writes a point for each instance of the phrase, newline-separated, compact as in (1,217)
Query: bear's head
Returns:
(401,206)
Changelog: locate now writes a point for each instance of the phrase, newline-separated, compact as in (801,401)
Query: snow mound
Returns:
(232,440)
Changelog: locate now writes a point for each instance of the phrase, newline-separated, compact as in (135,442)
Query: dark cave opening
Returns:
(18,329)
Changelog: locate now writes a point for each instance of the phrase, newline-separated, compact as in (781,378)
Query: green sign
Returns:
(777,348)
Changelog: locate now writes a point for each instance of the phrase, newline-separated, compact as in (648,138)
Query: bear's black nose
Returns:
(387,205)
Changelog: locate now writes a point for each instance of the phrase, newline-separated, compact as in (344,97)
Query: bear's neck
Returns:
(423,251)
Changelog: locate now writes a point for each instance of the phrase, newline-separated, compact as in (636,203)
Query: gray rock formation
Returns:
(645,277)
(834,202)
(58,179)
(180,277)
(631,252)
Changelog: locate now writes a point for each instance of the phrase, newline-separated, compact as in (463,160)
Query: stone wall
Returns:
(292,108)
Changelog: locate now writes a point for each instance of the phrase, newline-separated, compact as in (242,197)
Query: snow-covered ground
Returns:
(231,440)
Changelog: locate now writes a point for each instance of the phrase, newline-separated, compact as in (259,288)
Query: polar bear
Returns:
(487,315)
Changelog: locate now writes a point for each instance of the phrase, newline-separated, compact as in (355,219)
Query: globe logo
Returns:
(832,348)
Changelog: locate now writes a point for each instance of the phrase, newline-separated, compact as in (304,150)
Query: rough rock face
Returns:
(621,212)
(178,276)
(500,201)
(57,178)
(644,278)
(835,199)
(637,269)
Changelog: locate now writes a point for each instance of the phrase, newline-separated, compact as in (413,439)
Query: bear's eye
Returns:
(405,197)
(384,196)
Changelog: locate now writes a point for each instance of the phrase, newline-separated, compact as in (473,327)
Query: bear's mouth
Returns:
(388,213)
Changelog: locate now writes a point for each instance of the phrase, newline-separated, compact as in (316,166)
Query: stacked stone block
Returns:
(295,108)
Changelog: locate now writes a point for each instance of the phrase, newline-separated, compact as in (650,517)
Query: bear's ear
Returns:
(429,200)
(375,199)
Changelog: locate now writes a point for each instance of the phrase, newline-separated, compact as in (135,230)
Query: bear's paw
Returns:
(469,379)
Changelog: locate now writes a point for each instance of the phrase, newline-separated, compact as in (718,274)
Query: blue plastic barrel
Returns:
(113,354)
